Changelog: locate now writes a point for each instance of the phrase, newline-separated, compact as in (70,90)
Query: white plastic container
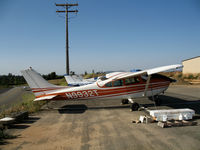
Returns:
(172,114)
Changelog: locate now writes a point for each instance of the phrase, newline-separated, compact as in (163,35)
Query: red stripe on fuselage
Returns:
(93,93)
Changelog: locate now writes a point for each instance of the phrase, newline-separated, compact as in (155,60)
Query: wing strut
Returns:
(147,85)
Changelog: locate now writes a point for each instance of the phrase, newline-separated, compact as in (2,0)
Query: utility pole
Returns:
(66,11)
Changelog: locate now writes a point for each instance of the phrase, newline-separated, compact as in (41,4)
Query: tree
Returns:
(52,75)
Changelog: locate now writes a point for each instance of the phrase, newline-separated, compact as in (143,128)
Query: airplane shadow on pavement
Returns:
(73,109)
(178,103)
(81,108)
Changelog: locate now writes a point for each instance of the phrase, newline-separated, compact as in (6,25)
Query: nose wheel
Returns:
(133,105)
(124,101)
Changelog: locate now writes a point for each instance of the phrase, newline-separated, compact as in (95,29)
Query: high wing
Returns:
(122,75)
(148,72)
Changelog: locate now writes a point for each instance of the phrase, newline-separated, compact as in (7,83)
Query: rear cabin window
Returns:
(130,81)
(109,84)
(118,83)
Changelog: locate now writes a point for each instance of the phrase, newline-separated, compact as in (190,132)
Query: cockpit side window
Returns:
(118,83)
(109,84)
(130,81)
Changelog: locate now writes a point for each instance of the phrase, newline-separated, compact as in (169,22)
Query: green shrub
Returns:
(180,75)
(190,76)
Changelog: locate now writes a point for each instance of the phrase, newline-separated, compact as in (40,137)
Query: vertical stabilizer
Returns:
(36,82)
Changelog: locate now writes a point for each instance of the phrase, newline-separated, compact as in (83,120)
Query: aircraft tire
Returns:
(134,106)
(125,101)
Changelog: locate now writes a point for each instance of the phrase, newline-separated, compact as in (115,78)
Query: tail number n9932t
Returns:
(81,94)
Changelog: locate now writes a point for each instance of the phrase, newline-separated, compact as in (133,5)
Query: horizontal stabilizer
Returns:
(45,98)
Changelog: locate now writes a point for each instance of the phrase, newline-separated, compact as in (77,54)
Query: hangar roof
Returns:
(191,58)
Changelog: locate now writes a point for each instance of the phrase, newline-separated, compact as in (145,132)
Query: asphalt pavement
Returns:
(105,125)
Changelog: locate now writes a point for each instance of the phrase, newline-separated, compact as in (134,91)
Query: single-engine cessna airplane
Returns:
(125,86)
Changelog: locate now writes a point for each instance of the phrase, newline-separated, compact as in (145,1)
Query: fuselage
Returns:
(133,87)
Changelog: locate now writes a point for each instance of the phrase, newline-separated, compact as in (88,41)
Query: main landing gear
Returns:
(133,105)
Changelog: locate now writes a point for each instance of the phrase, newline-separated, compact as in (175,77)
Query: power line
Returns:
(66,11)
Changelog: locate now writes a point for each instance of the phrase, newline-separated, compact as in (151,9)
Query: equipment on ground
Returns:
(172,114)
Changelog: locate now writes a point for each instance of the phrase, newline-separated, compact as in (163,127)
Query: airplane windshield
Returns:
(109,84)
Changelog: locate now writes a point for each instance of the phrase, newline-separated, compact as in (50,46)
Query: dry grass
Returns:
(182,78)
(27,104)
(3,87)
(61,82)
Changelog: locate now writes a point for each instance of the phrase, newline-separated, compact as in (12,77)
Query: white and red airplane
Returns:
(125,86)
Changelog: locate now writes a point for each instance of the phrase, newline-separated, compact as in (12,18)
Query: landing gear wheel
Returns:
(134,106)
(125,101)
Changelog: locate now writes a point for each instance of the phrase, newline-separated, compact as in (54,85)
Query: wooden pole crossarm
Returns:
(63,11)
(67,4)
